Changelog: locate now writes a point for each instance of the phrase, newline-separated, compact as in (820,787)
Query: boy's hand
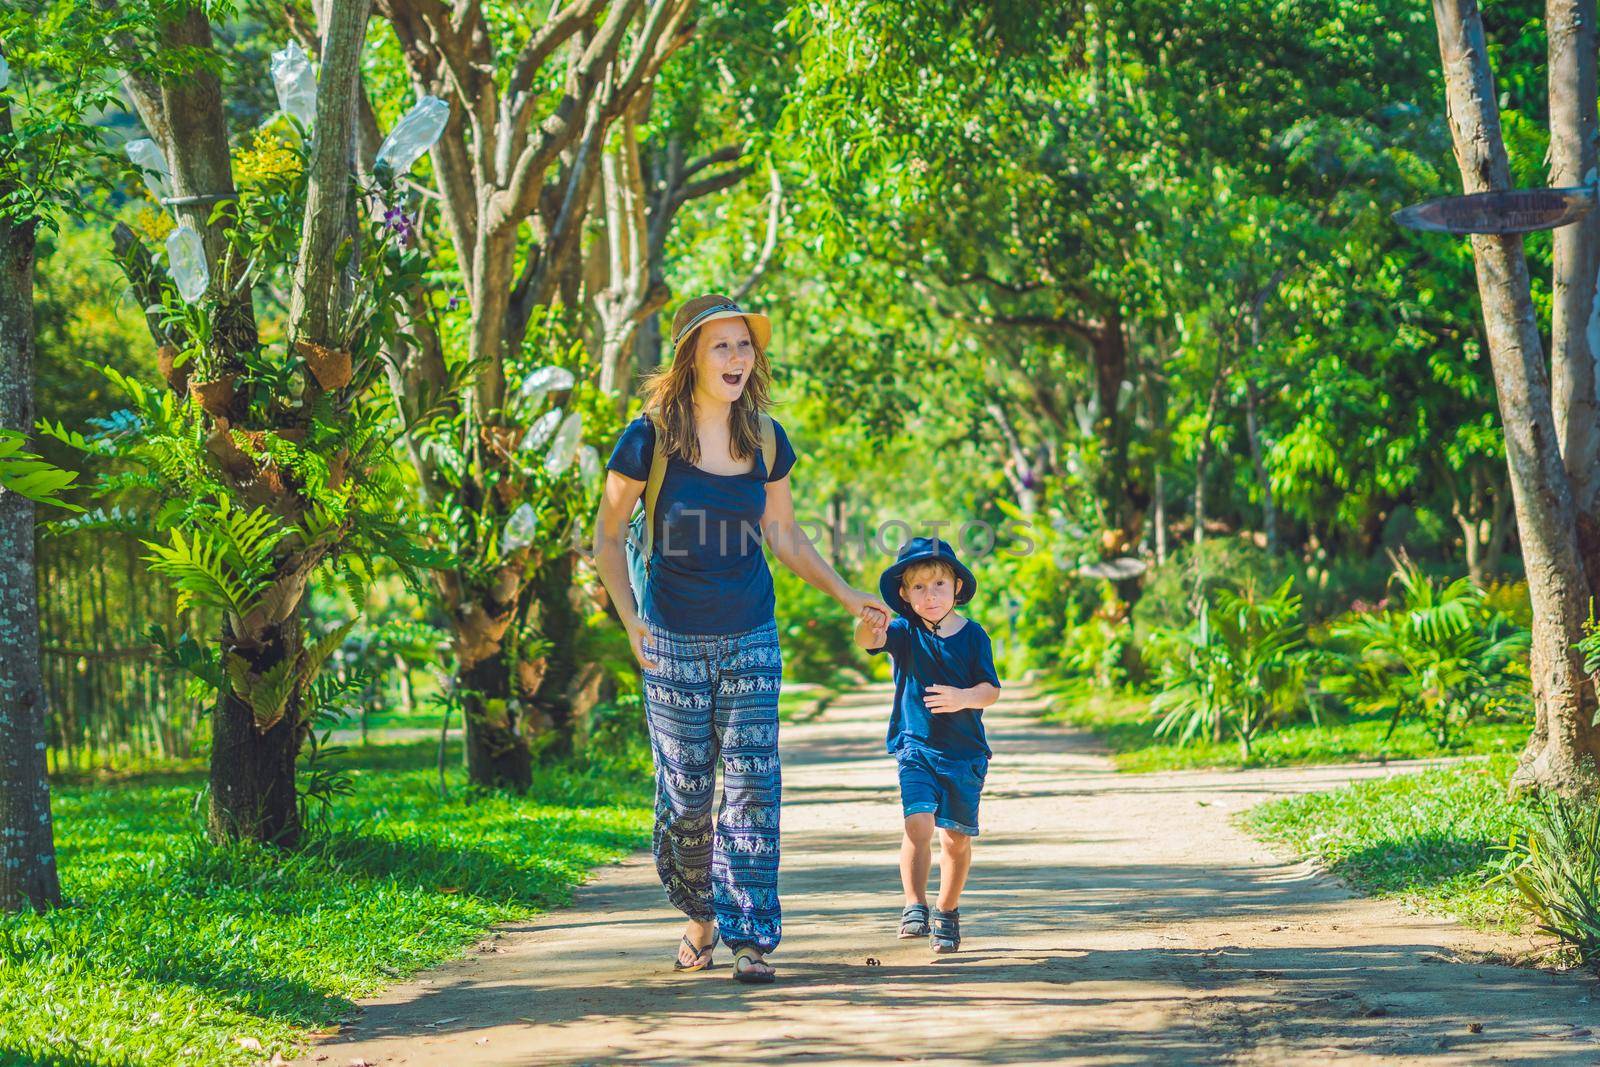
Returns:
(872,631)
(943,699)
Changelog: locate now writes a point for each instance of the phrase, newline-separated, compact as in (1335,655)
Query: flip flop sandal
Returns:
(914,922)
(702,956)
(750,973)
(946,935)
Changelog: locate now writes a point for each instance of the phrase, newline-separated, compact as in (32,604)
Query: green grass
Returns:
(1427,839)
(170,949)
(1120,721)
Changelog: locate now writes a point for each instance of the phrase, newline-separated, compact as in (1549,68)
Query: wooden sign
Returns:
(1508,211)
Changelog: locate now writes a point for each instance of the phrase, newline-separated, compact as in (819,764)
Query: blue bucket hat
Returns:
(918,550)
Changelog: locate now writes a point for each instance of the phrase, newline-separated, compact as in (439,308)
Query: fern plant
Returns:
(1441,655)
(1556,872)
(1241,667)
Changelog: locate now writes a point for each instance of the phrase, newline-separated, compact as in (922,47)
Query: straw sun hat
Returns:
(711,307)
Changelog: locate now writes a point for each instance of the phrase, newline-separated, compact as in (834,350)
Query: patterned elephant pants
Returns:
(710,699)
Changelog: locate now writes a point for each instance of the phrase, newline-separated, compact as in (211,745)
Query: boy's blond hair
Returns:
(927,566)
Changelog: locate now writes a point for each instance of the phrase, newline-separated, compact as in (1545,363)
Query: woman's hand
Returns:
(638,634)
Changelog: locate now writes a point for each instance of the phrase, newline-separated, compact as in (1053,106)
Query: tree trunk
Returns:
(1109,352)
(554,617)
(1204,454)
(1269,514)
(1573,128)
(252,795)
(27,842)
(1561,754)
(498,755)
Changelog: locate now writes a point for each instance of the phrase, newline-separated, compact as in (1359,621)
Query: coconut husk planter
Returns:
(230,457)
(177,377)
(331,367)
(502,439)
(336,467)
(216,396)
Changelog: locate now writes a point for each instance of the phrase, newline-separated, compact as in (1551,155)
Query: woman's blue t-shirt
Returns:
(707,571)
(921,659)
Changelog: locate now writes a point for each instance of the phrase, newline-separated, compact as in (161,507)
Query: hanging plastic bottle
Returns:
(565,446)
(296,84)
(519,530)
(152,166)
(5,72)
(414,134)
(589,464)
(186,263)
(541,430)
(546,380)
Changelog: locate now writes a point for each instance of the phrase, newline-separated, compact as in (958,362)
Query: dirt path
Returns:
(1111,919)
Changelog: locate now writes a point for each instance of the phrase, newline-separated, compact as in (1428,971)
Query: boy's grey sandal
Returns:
(946,933)
(914,921)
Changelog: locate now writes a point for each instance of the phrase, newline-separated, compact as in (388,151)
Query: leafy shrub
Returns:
(816,635)
(1511,600)
(1441,653)
(1241,667)
(1039,575)
(1167,602)
(1100,649)
(1557,872)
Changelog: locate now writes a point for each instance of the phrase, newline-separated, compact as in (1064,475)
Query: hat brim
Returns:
(889,582)
(760,327)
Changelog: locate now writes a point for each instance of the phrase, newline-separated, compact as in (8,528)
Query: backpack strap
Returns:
(652,489)
(769,442)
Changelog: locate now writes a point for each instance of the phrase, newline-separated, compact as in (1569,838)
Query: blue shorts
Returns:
(950,787)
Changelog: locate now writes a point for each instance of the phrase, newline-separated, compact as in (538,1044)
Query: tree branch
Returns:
(319,293)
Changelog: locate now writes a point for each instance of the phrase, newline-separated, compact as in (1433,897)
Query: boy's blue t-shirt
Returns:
(921,659)
(707,571)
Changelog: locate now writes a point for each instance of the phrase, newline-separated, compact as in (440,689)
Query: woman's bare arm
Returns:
(617,499)
(795,551)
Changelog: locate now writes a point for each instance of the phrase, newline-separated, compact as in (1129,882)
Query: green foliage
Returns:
(1440,655)
(52,149)
(1120,721)
(172,944)
(1171,589)
(1556,871)
(815,633)
(26,474)
(1241,667)
(225,563)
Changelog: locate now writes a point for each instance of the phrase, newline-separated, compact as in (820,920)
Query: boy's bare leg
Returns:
(916,857)
(955,860)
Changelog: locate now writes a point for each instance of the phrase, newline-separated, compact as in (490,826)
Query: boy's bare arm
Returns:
(944,699)
(871,636)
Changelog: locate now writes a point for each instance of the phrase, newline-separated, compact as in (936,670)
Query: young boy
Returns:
(943,677)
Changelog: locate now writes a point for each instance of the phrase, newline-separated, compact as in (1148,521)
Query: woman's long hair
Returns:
(669,402)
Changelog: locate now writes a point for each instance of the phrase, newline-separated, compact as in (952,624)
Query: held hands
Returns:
(944,699)
(869,609)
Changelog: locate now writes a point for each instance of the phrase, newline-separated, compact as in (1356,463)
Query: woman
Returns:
(705,634)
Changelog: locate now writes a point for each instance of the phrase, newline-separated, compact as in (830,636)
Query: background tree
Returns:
(52,78)
(1551,490)
(273,466)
